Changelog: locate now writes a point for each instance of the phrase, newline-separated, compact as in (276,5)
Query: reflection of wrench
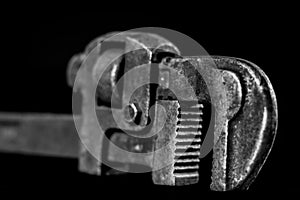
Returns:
(244,128)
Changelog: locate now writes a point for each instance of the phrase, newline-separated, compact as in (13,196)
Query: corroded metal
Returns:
(175,114)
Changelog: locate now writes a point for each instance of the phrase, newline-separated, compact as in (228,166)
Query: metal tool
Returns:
(199,103)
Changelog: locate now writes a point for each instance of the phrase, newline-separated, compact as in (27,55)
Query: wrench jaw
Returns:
(159,128)
(177,147)
(163,159)
(245,114)
(250,132)
(232,104)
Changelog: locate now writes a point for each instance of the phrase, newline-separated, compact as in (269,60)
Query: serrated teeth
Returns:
(186,167)
(198,106)
(187,160)
(191,113)
(188,140)
(190,119)
(187,154)
(188,146)
(186,175)
(189,126)
(189,133)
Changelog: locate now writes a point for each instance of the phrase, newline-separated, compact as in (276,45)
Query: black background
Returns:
(37,47)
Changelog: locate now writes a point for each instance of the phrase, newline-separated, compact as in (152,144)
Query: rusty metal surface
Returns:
(241,95)
(244,102)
